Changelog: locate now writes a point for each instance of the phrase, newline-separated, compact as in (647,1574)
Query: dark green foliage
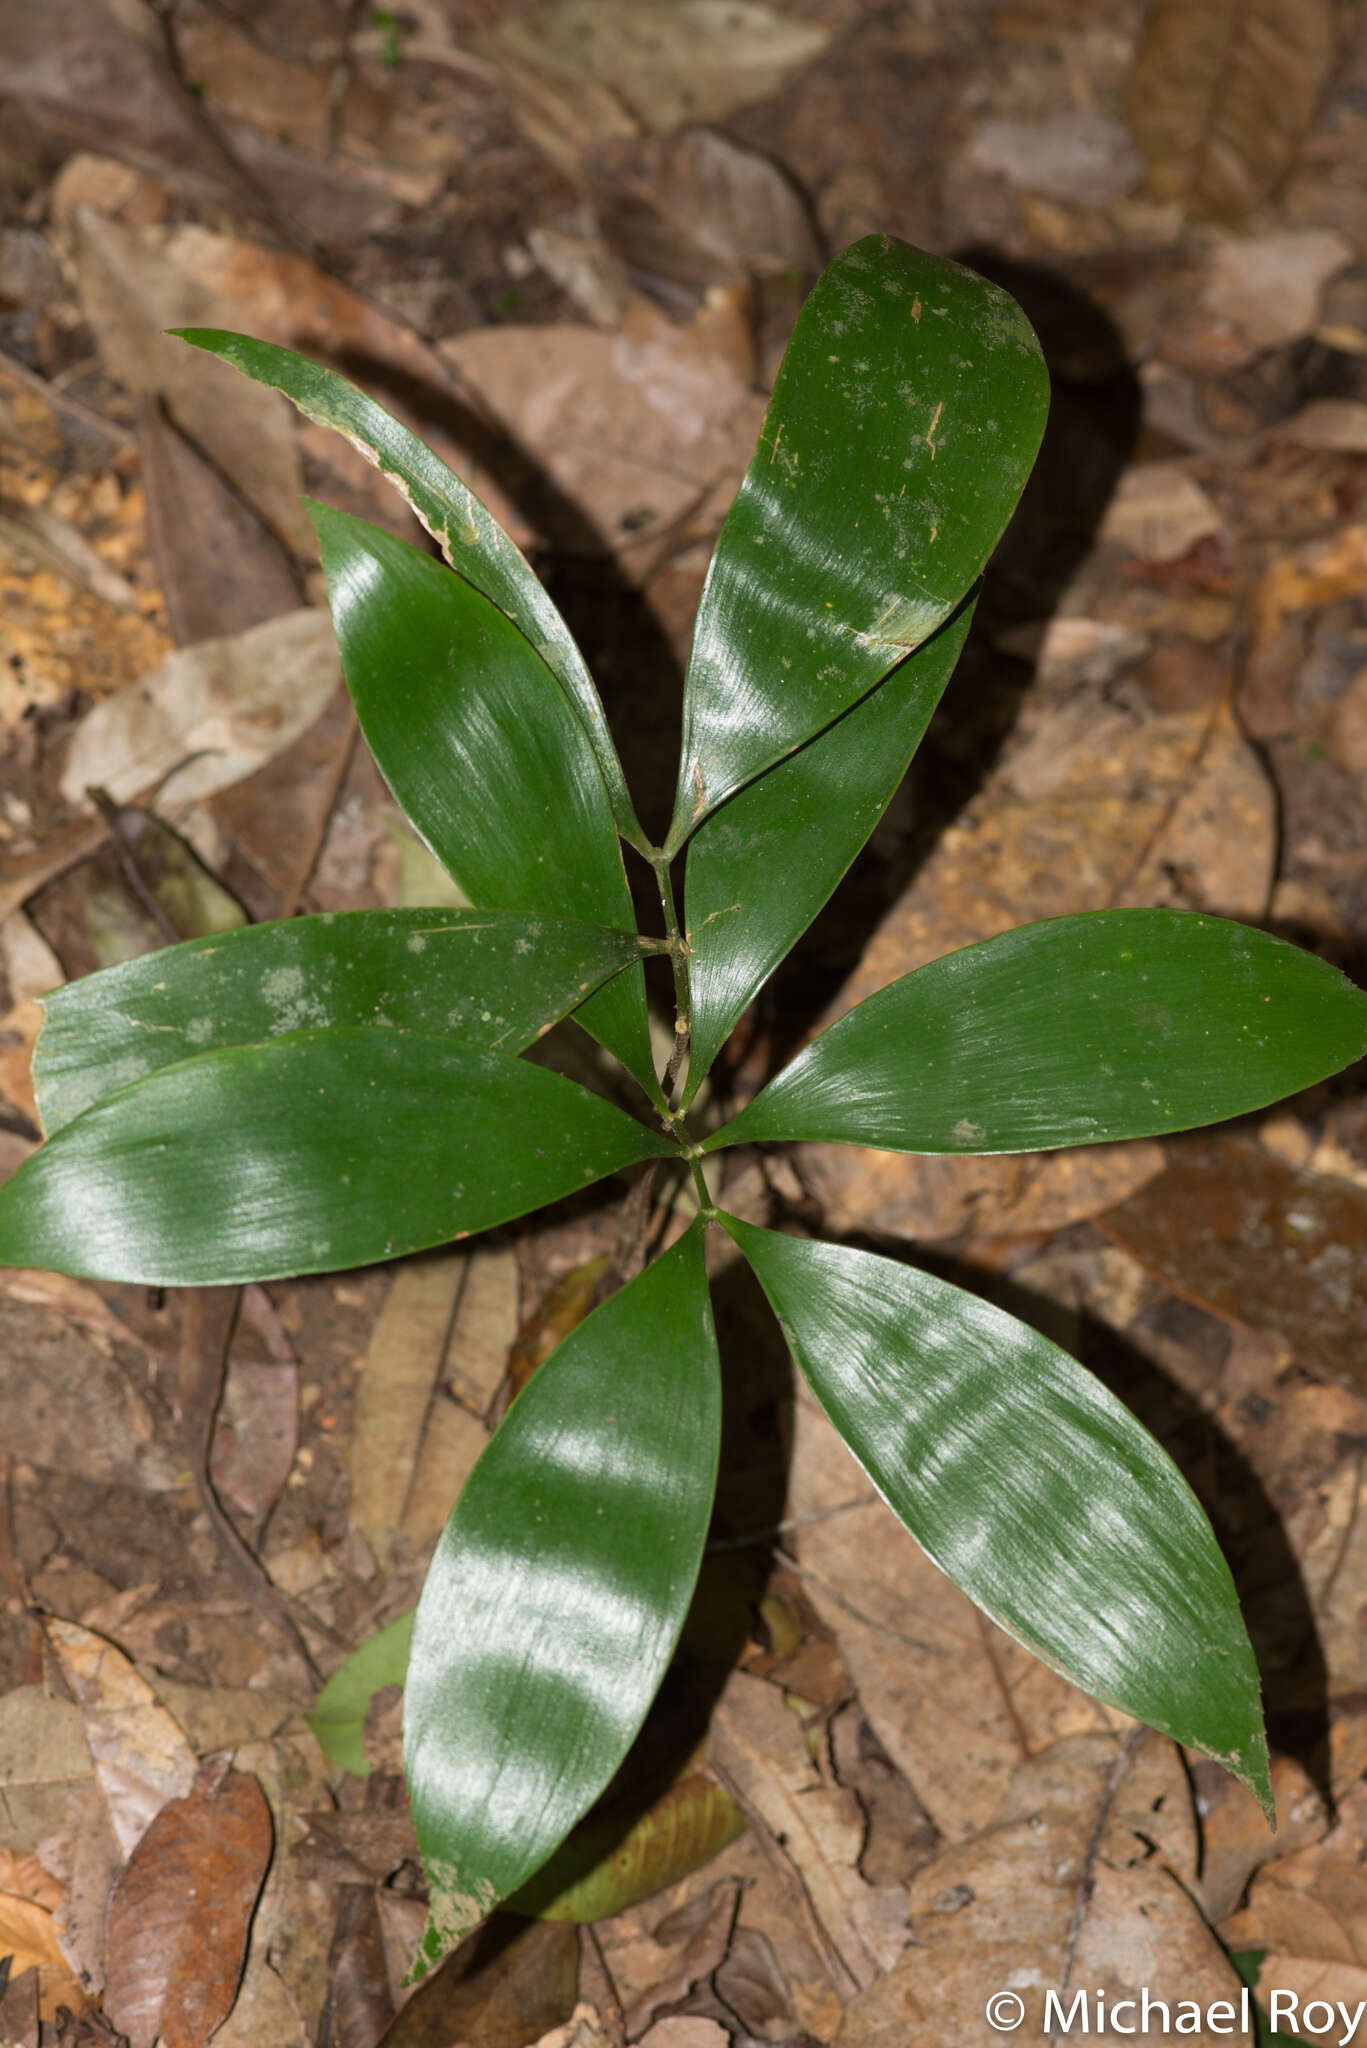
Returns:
(307,1097)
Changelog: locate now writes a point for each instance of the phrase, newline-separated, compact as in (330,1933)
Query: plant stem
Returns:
(678,956)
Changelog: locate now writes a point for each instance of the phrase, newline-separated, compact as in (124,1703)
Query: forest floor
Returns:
(566,242)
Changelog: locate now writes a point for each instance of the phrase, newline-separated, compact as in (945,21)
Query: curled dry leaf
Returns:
(141,1756)
(1221,96)
(179,1914)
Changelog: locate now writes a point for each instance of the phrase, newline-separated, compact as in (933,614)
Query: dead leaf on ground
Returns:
(66,1399)
(1236,1230)
(28,1936)
(220,566)
(699,208)
(1235,1838)
(179,1914)
(1266,288)
(141,1756)
(44,1758)
(394,1395)
(131,293)
(580,71)
(1159,512)
(231,704)
(502,1987)
(1222,95)
(647,430)
(1309,1912)
(1070,1886)
(1095,804)
(759,1749)
(256,1430)
(954,1702)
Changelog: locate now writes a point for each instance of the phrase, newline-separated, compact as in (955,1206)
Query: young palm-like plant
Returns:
(313,1095)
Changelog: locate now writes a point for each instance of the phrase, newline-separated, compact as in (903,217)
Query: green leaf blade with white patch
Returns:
(470,538)
(481,748)
(318,1151)
(1030,1486)
(761,866)
(555,1599)
(1113,1024)
(906,415)
(484,977)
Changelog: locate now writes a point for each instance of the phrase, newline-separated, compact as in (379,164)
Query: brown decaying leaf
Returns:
(220,567)
(1235,1229)
(506,1984)
(692,1942)
(1309,1912)
(395,1391)
(1222,94)
(179,1915)
(1075,1878)
(565,1305)
(759,1750)
(1094,805)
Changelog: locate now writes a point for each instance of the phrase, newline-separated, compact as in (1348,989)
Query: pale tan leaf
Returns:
(1222,93)
(233,704)
(43,1758)
(142,1758)
(402,1370)
(1061,1890)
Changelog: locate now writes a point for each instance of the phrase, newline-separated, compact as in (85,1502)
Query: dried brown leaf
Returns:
(758,1747)
(179,1915)
(395,1391)
(502,1987)
(1065,1882)
(1221,95)
(1235,1229)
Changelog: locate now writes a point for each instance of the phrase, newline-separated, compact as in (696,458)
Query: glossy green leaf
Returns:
(559,1587)
(1029,1485)
(761,866)
(321,1150)
(470,538)
(1115,1024)
(479,744)
(338,1717)
(603,1868)
(486,977)
(905,417)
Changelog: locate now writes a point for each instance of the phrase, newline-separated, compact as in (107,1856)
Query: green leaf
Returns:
(338,1717)
(905,417)
(606,1866)
(559,1587)
(1115,1024)
(479,744)
(472,541)
(485,977)
(1029,1485)
(760,867)
(321,1150)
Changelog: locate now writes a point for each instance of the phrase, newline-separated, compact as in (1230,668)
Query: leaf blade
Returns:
(318,1151)
(761,866)
(481,748)
(1030,1486)
(485,977)
(470,538)
(1075,1031)
(338,1717)
(566,1613)
(905,417)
